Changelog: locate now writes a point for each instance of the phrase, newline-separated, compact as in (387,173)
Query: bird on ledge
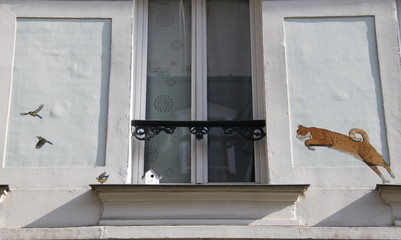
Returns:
(102,178)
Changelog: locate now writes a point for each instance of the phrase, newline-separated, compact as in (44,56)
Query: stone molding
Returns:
(392,195)
(201,233)
(198,204)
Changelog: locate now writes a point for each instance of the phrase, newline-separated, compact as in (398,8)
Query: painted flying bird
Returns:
(41,142)
(102,178)
(35,112)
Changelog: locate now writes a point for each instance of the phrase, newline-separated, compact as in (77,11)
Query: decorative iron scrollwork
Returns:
(252,130)
(143,132)
(199,131)
(252,133)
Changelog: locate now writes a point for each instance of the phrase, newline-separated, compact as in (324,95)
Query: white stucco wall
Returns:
(72,57)
(51,199)
(333,74)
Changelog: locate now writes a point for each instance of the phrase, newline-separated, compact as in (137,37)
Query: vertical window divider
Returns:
(199,89)
(258,90)
(139,69)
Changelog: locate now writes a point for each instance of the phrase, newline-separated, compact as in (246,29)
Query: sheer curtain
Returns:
(229,88)
(169,87)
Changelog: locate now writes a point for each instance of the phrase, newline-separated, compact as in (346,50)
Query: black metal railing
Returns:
(252,130)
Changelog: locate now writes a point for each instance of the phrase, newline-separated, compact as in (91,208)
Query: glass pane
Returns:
(229,87)
(169,87)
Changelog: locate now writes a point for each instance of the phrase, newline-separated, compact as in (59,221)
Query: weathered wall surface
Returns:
(330,64)
(74,58)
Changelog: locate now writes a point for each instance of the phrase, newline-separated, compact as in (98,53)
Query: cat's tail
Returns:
(352,132)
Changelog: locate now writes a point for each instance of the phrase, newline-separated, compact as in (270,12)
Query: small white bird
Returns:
(102,178)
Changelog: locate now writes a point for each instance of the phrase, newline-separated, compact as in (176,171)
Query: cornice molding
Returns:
(198,204)
(392,195)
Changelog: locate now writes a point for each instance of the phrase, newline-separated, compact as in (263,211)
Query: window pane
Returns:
(169,87)
(229,87)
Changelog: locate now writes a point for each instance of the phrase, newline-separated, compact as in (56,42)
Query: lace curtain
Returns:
(229,88)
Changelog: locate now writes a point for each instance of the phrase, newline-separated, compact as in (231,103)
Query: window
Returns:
(200,65)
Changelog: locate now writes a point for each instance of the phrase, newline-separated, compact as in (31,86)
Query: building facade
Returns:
(200,119)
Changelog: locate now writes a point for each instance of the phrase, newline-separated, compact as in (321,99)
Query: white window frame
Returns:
(198,79)
(118,133)
(281,168)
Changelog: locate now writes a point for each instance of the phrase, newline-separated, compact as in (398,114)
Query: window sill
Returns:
(198,204)
(392,195)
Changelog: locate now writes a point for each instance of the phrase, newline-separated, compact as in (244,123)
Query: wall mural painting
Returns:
(41,140)
(102,178)
(360,148)
(60,77)
(34,113)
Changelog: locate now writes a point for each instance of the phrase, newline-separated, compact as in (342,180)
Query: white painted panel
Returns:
(334,83)
(63,64)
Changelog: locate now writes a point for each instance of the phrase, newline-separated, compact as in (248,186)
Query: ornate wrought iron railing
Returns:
(252,130)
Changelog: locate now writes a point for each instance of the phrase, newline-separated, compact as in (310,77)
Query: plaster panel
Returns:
(54,171)
(334,83)
(63,64)
(364,53)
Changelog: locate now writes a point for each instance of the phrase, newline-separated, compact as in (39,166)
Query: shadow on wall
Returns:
(83,210)
(321,207)
(368,210)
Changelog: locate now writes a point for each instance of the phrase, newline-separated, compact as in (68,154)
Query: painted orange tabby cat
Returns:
(360,148)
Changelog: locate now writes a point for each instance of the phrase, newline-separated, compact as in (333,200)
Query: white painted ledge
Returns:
(198,204)
(201,232)
(392,195)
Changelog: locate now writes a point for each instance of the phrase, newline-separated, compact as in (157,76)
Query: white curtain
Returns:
(169,87)
(229,90)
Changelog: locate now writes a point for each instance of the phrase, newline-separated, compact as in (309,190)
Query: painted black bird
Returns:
(102,178)
(41,142)
(35,112)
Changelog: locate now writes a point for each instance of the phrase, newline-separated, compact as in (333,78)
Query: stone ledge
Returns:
(201,232)
(392,195)
(198,204)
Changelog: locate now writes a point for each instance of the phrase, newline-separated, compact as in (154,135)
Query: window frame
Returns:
(199,173)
